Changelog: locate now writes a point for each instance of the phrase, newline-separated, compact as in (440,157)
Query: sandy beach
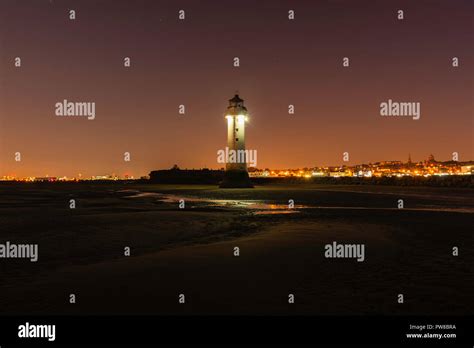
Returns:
(190,251)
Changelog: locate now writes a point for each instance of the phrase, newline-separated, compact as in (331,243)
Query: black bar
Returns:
(132,330)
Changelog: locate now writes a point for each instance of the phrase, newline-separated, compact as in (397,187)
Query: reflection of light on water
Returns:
(275,212)
(260,207)
(142,194)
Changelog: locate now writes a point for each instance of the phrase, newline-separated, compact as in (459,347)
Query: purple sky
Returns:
(190,62)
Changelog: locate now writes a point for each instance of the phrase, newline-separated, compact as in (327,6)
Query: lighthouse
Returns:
(236,175)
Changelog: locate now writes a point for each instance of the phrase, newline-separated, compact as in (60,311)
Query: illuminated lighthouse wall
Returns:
(236,116)
(236,175)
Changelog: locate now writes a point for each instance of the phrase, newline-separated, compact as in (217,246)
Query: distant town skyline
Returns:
(190,62)
(428,167)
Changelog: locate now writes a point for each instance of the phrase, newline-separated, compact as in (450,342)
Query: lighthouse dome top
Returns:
(236,106)
(236,99)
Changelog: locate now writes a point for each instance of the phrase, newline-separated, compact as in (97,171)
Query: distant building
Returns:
(467,169)
(46,179)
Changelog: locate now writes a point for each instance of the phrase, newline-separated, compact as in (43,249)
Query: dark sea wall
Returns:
(187,176)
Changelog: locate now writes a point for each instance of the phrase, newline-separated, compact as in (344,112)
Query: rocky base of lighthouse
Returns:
(236,179)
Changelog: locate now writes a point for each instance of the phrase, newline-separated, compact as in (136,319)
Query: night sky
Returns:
(190,62)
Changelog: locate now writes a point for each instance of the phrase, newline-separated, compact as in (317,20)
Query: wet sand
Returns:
(190,250)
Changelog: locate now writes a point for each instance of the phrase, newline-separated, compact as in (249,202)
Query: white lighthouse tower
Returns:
(236,175)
